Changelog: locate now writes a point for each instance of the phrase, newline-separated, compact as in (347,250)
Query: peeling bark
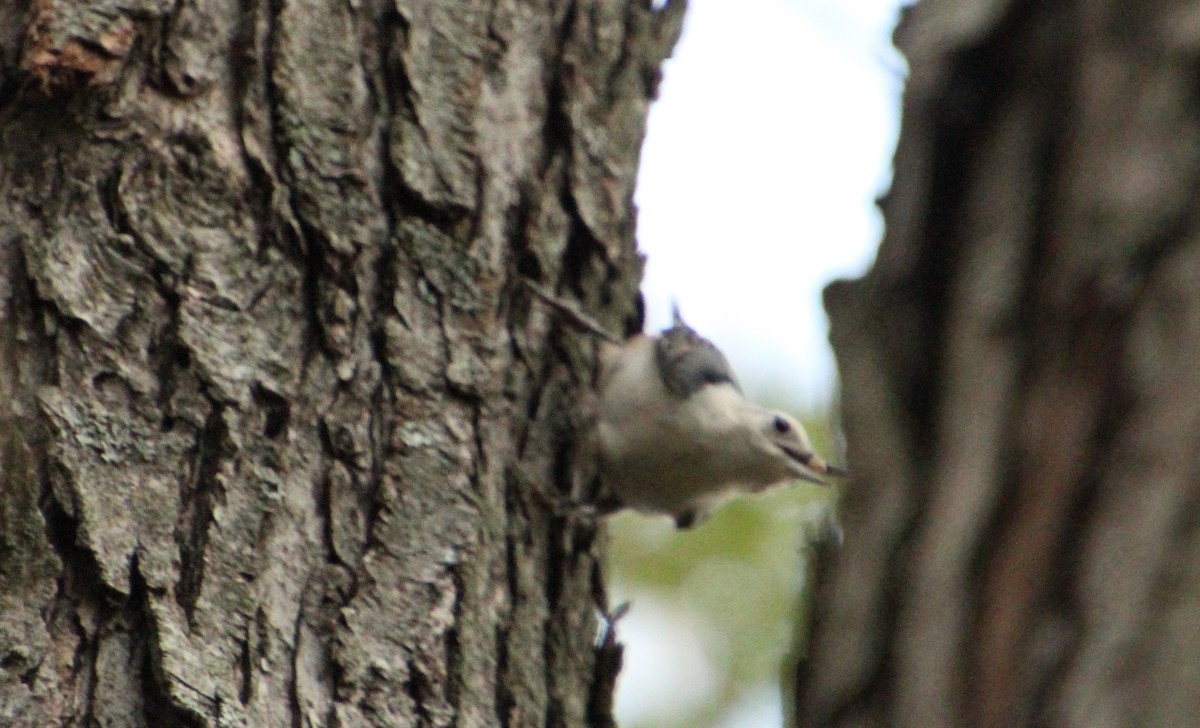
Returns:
(1022,399)
(282,440)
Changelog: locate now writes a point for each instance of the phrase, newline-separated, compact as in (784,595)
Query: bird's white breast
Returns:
(659,452)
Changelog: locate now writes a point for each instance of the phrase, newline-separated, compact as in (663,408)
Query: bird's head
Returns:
(784,440)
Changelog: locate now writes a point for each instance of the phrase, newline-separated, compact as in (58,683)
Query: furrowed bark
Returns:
(1021,398)
(283,440)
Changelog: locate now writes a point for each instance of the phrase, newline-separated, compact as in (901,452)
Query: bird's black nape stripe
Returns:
(715,377)
(687,362)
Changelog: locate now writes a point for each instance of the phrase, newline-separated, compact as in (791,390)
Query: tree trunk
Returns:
(283,440)
(1022,387)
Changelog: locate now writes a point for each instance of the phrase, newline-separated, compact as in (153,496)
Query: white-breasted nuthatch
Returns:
(676,435)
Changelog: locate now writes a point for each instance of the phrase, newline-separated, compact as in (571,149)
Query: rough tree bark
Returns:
(282,440)
(1021,373)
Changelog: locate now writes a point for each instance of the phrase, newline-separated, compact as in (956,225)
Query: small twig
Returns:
(574,315)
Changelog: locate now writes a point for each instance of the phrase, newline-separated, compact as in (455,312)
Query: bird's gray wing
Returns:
(687,361)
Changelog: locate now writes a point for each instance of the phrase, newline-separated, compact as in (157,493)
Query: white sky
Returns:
(770,141)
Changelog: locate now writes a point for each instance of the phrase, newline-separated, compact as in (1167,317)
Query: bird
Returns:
(677,436)
(674,432)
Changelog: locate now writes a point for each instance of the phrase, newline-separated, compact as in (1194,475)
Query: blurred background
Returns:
(770,141)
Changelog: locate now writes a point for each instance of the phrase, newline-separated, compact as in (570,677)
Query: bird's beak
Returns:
(807,466)
(836,472)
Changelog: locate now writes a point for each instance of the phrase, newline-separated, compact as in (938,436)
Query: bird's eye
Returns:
(781,425)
